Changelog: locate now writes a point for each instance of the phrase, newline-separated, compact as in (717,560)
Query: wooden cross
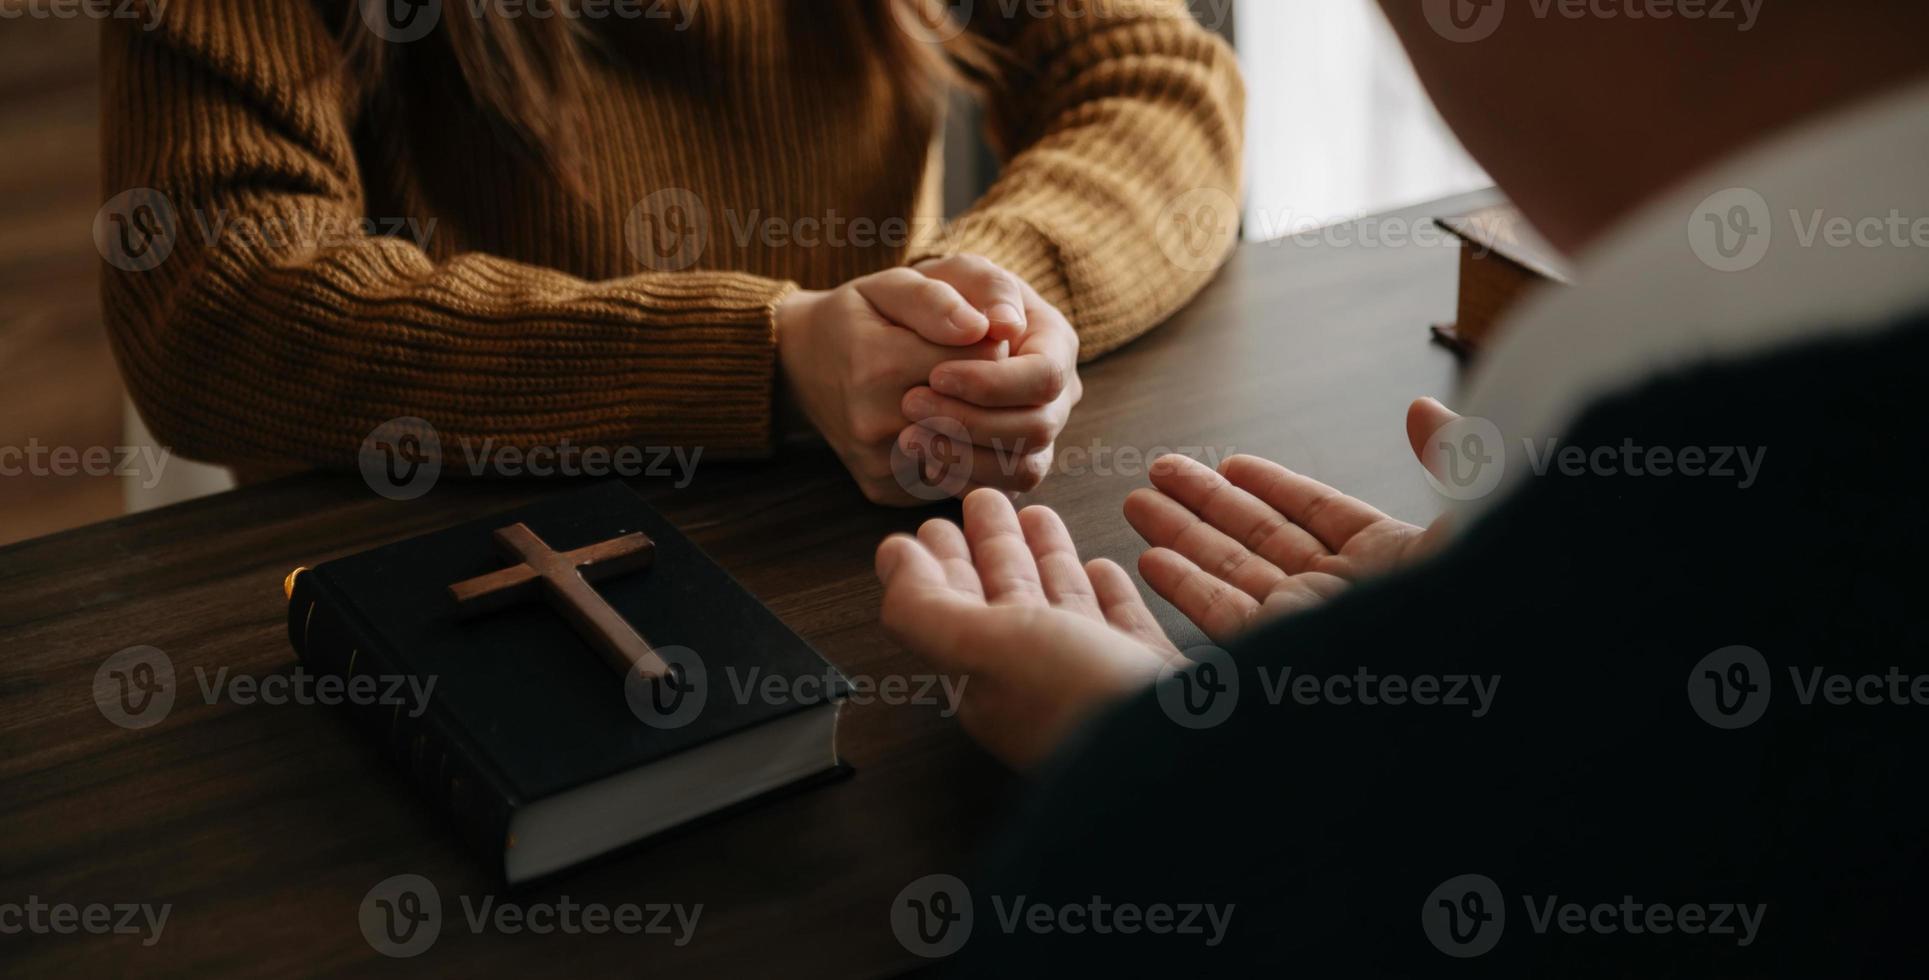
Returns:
(563,579)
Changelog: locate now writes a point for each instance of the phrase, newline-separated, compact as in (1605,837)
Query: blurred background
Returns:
(57,380)
(1337,128)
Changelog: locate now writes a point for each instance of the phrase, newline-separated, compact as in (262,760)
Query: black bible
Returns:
(540,752)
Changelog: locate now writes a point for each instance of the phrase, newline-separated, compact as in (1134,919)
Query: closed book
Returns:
(1502,259)
(540,752)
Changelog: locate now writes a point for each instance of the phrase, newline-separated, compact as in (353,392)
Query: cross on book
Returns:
(563,578)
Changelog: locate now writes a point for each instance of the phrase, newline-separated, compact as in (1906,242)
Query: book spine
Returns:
(329,640)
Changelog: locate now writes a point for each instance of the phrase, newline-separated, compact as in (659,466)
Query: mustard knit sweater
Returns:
(290,266)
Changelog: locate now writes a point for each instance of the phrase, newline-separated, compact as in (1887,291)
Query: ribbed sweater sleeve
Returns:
(278,330)
(1124,121)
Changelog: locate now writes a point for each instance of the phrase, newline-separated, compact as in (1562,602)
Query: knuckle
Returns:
(1037,431)
(934,295)
(869,371)
(1033,469)
(968,263)
(862,426)
(876,468)
(1052,422)
(966,385)
(948,265)
(1231,564)
(1052,380)
(981,265)
(1270,527)
(873,430)
(900,276)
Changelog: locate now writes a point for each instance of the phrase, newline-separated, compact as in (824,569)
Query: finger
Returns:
(912,577)
(947,544)
(1164,523)
(1066,585)
(954,461)
(1241,517)
(1028,379)
(1332,517)
(1219,609)
(1019,430)
(995,292)
(923,612)
(1124,608)
(906,561)
(1424,418)
(998,549)
(933,309)
(913,359)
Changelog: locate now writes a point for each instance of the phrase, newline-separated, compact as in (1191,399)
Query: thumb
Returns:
(1424,418)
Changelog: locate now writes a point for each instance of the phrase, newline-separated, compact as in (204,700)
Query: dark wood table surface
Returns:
(264,826)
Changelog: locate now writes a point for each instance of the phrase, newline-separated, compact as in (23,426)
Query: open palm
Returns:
(1254,540)
(1042,639)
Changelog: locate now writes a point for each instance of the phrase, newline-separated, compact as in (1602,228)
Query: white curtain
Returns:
(1337,125)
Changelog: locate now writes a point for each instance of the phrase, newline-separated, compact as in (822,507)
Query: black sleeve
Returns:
(1597,789)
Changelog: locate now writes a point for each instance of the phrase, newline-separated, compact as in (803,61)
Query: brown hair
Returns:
(530,72)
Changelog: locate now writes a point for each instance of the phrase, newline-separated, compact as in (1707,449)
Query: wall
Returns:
(58,384)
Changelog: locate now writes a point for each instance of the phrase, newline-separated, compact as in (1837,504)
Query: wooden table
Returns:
(265,826)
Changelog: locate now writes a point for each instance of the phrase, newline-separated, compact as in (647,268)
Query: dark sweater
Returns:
(1592,778)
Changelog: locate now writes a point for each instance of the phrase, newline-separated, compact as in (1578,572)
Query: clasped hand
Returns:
(954,374)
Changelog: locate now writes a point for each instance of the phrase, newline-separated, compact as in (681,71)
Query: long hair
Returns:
(530,73)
